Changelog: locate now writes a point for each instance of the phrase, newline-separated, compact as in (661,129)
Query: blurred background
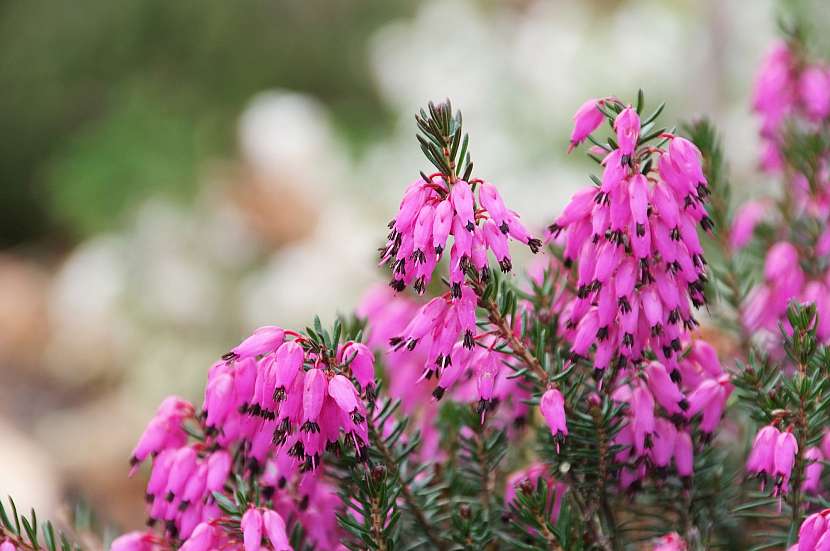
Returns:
(175,174)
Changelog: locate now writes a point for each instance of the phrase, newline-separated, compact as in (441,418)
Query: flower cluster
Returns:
(634,238)
(787,86)
(272,406)
(435,349)
(433,210)
(661,413)
(773,454)
(785,281)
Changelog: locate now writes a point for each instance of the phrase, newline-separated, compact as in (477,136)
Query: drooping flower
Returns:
(131,541)
(552,406)
(814,533)
(586,119)
(434,210)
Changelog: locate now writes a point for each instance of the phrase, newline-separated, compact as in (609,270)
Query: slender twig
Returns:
(506,333)
(550,537)
(377,516)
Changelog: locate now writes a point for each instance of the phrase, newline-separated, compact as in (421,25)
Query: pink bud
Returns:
(343,392)
(577,208)
(705,355)
(275,529)
(462,200)
(812,472)
(265,339)
(744,222)
(814,90)
(361,362)
(252,529)
(201,539)
(665,391)
(184,465)
(683,454)
(487,371)
(497,242)
(411,203)
(552,406)
(288,361)
(586,333)
(642,416)
(662,448)
(133,541)
(687,159)
(219,466)
(761,457)
(219,399)
(194,490)
(786,448)
(314,392)
(781,258)
(422,233)
(441,224)
(813,528)
(627,126)
(490,199)
(587,119)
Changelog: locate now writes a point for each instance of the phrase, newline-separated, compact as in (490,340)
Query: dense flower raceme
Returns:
(639,265)
(661,413)
(469,374)
(788,87)
(785,281)
(276,405)
(639,260)
(433,210)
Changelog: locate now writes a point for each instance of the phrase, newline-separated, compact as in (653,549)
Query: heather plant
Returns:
(655,378)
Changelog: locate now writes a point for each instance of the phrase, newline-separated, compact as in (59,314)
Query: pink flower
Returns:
(684,454)
(627,126)
(743,225)
(812,473)
(669,542)
(265,339)
(761,460)
(361,362)
(587,119)
(665,435)
(133,541)
(664,390)
(814,91)
(774,93)
(203,538)
(786,448)
(552,406)
(275,529)
(164,430)
(813,529)
(251,526)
